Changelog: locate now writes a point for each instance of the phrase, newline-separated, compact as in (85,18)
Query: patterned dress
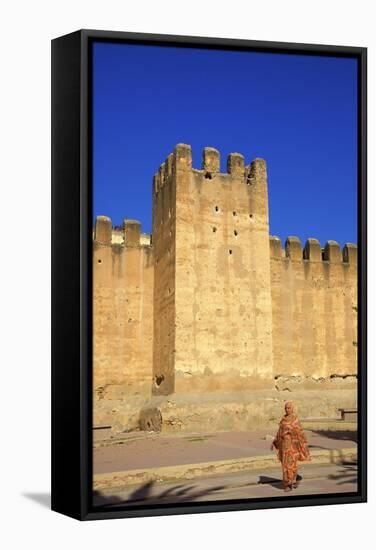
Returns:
(292,446)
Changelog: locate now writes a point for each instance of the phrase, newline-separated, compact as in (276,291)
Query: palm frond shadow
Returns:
(146,493)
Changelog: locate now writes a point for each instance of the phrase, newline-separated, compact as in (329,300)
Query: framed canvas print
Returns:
(209,274)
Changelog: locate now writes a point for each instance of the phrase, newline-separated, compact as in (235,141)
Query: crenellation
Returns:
(332,252)
(235,165)
(162,174)
(169,165)
(156,183)
(257,184)
(350,254)
(257,171)
(211,160)
(132,232)
(312,250)
(182,157)
(254,174)
(103,230)
(275,247)
(118,238)
(293,248)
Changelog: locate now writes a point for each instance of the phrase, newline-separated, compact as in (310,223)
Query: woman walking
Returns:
(291,446)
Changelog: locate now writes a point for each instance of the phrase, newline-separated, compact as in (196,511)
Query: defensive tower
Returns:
(212,297)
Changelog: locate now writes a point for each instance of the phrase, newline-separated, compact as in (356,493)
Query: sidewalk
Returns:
(154,457)
(315,480)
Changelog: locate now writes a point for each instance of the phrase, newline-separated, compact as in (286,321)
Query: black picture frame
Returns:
(71,274)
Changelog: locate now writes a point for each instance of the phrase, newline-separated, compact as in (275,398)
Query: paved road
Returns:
(152,451)
(315,480)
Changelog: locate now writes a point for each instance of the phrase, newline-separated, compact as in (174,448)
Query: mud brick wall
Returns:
(314,298)
(122,308)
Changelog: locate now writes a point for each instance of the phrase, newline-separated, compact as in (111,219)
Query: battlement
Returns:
(313,251)
(181,160)
(128,234)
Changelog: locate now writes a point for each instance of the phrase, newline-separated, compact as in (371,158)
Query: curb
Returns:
(203,469)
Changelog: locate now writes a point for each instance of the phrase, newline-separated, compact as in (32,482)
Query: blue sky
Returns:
(297,112)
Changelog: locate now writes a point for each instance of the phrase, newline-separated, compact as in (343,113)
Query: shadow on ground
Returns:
(275,482)
(178,493)
(347,474)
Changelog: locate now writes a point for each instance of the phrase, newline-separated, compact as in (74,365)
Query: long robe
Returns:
(292,446)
